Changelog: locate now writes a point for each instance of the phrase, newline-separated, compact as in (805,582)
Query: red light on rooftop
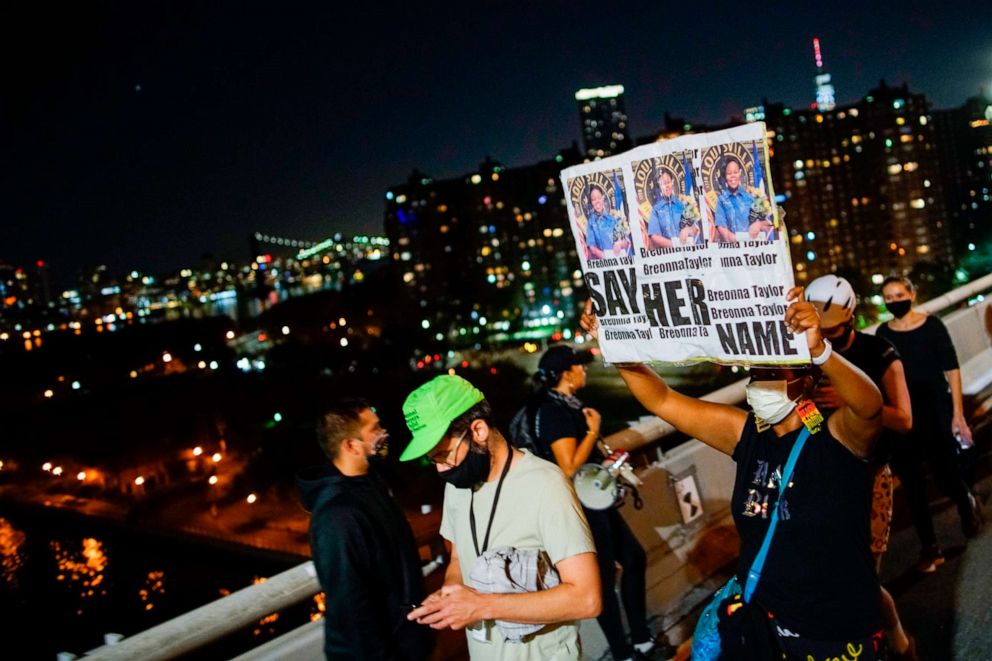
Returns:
(41,263)
(262,337)
(464,363)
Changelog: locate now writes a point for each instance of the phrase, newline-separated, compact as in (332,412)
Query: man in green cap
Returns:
(527,517)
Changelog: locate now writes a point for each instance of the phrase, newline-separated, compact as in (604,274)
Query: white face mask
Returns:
(770,400)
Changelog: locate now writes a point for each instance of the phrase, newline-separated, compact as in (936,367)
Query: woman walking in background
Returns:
(934,381)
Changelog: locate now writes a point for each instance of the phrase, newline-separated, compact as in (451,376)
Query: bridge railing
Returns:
(682,555)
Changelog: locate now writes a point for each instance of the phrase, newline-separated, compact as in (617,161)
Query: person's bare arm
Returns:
(758,226)
(897,415)
(726,235)
(856,424)
(958,422)
(717,425)
(577,597)
(569,453)
(660,241)
(594,252)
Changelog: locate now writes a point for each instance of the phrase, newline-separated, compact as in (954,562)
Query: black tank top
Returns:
(819,579)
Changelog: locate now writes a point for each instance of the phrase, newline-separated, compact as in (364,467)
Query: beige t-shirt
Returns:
(537,509)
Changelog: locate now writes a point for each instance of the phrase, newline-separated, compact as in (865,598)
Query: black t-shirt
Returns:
(927,352)
(556,419)
(819,579)
(872,355)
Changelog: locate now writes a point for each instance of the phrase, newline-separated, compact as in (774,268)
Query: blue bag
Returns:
(706,641)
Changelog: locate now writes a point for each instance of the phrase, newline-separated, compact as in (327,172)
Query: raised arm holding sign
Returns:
(820,506)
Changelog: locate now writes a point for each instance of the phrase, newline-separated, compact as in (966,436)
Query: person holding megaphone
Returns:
(565,431)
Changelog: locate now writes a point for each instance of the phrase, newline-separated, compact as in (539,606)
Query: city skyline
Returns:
(181,131)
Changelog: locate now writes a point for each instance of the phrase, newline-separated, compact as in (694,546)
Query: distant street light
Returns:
(251,498)
(57,471)
(166,357)
(81,476)
(212,480)
(216,457)
(49,394)
(197,451)
(138,481)
(47,466)
(230,335)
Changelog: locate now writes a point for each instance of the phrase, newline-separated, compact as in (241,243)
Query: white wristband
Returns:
(825,356)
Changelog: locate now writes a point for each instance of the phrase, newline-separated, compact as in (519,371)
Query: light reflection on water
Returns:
(81,570)
(83,579)
(11,541)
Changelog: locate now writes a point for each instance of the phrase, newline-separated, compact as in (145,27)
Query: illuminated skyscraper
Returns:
(487,256)
(965,152)
(825,98)
(861,184)
(605,130)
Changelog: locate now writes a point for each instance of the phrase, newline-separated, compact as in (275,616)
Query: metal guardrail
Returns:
(208,623)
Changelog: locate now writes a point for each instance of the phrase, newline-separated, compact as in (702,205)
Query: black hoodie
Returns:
(367,563)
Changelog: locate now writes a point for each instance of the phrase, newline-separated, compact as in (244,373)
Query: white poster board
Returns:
(684,253)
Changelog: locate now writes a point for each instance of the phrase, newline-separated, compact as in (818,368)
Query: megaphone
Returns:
(596,488)
(601,486)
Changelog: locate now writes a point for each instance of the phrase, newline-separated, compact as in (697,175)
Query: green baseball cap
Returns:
(430,409)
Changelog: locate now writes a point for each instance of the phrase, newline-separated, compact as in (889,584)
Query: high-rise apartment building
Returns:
(965,153)
(488,255)
(605,127)
(860,183)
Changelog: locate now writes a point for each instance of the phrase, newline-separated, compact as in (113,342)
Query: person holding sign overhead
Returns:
(733,207)
(805,584)
(600,242)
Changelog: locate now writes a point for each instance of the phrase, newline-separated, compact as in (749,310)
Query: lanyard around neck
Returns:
(492,512)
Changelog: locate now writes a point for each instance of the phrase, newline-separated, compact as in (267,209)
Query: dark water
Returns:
(74,579)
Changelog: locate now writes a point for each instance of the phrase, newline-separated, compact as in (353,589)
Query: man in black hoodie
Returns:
(362,546)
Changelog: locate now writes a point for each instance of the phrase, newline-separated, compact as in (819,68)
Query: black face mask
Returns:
(473,470)
(899,309)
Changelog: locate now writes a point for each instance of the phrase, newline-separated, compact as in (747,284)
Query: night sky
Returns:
(145,134)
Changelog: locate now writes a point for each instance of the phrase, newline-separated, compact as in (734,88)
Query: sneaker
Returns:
(930,559)
(661,651)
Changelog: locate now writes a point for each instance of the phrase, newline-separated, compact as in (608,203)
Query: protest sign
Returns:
(684,253)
